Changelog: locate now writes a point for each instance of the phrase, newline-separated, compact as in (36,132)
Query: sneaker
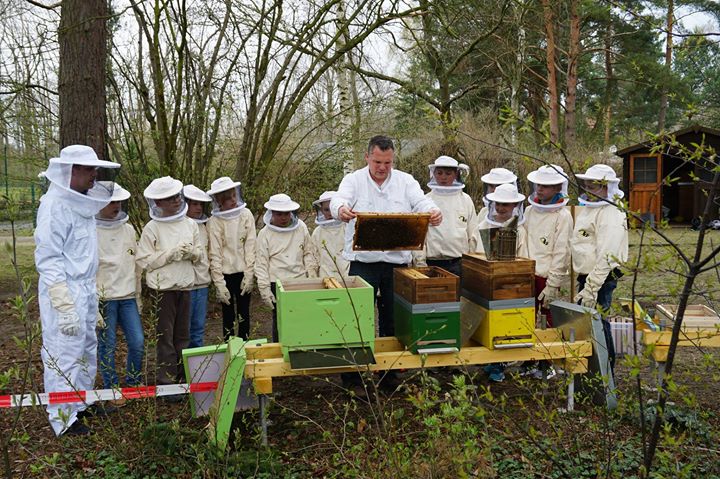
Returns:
(118,403)
(496,376)
(77,429)
(532,372)
(97,410)
(550,373)
(172,398)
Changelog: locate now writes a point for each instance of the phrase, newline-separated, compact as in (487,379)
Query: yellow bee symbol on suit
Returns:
(544,240)
(462,218)
(131,252)
(584,234)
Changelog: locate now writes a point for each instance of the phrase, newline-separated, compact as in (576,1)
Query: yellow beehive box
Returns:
(503,328)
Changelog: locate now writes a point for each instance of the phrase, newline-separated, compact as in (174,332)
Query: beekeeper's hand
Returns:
(68,319)
(187,251)
(268,298)
(586,298)
(177,253)
(246,286)
(548,295)
(435,217)
(100,321)
(223,294)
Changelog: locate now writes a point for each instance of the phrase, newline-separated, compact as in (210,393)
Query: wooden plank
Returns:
(276,367)
(426,285)
(704,337)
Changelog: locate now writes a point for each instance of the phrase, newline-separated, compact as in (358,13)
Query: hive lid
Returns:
(390,231)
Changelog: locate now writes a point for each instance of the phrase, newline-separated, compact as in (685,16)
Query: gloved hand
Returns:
(268,298)
(68,319)
(548,295)
(100,321)
(246,286)
(186,250)
(586,298)
(69,323)
(195,254)
(223,295)
(177,253)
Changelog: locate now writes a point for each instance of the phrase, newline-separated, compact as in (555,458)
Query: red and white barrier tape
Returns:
(32,399)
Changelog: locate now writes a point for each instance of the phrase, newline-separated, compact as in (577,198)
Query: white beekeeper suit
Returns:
(600,238)
(329,240)
(451,238)
(506,193)
(232,239)
(202,265)
(549,228)
(66,258)
(283,253)
(169,245)
(490,181)
(118,276)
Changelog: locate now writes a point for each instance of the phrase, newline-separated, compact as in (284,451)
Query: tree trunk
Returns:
(572,74)
(551,73)
(668,66)
(609,86)
(81,79)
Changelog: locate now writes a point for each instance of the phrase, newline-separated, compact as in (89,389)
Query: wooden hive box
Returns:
(697,316)
(426,285)
(497,280)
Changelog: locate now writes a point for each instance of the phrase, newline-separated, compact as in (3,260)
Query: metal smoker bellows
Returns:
(500,243)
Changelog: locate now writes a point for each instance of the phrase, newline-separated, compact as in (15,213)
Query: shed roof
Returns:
(684,131)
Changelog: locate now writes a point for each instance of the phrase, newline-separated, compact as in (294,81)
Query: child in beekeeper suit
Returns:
(66,258)
(197,201)
(329,240)
(284,250)
(490,181)
(446,243)
(504,204)
(232,235)
(549,228)
(119,291)
(599,243)
(169,246)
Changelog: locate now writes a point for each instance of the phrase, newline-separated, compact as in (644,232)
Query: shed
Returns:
(682,199)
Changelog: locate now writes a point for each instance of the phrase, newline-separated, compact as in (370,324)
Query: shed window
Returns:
(645,169)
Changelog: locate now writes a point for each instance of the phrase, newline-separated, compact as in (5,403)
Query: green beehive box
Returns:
(321,327)
(428,328)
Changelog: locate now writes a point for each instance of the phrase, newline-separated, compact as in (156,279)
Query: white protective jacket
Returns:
(452,238)
(159,240)
(284,255)
(548,243)
(331,237)
(118,276)
(202,266)
(400,193)
(599,242)
(66,252)
(476,245)
(232,245)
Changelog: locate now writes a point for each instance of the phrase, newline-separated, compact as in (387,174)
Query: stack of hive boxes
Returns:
(498,301)
(427,310)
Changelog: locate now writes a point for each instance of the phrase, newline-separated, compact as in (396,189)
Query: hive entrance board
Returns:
(340,357)
(390,231)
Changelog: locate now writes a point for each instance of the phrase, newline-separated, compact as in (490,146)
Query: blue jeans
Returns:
(198,314)
(123,313)
(604,300)
(380,276)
